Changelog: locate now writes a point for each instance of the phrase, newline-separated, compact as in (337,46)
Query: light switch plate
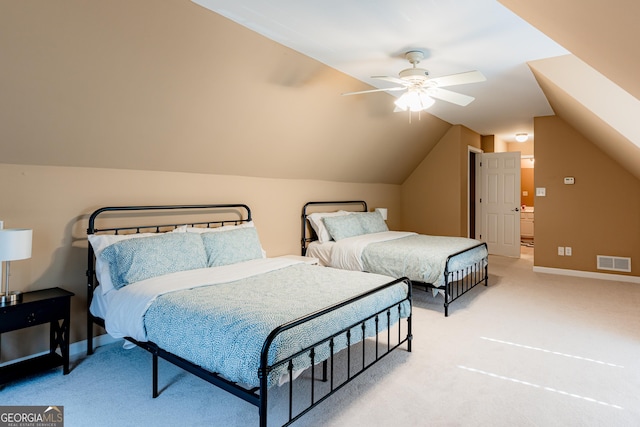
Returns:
(541,191)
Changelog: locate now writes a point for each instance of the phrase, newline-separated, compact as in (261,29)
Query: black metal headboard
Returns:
(308,234)
(156,220)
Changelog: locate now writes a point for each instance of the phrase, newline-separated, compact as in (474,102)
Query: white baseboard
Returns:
(81,346)
(74,349)
(588,274)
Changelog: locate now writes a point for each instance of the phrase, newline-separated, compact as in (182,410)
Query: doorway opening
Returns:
(527,228)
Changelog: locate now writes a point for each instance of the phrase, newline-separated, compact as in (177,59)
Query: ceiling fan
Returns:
(420,89)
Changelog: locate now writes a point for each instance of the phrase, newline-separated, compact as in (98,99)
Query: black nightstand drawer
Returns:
(25,315)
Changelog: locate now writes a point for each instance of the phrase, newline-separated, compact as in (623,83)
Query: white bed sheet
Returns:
(346,254)
(123,309)
(322,251)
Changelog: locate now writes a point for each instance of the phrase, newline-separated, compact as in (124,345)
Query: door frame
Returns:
(474,216)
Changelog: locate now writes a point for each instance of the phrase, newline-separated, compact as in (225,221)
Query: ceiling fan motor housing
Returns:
(414,75)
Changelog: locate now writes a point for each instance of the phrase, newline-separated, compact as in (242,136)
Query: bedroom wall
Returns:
(434,197)
(190,107)
(56,201)
(84,83)
(598,215)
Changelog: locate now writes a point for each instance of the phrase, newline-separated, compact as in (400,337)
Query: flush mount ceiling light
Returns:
(522,137)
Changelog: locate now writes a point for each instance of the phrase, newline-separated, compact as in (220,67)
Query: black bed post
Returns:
(486,271)
(447,292)
(303,242)
(262,407)
(89,298)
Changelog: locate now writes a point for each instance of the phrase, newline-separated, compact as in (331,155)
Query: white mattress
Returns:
(322,251)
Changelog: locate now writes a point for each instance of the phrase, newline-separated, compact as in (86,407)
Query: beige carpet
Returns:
(528,350)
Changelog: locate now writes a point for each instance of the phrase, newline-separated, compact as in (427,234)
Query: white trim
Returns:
(588,274)
(74,349)
(472,149)
(81,346)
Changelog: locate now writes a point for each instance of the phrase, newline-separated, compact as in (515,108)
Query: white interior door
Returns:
(500,202)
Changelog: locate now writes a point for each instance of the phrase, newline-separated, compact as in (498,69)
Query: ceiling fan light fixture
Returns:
(522,137)
(414,100)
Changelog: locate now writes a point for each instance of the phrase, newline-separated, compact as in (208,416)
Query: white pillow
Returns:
(100,241)
(315,219)
(248,224)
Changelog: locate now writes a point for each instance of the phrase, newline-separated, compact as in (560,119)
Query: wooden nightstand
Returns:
(38,307)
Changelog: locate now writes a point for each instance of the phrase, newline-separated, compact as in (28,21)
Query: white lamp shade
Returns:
(383,212)
(15,244)
(414,100)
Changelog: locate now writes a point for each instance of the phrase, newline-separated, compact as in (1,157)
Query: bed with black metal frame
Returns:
(319,389)
(457,281)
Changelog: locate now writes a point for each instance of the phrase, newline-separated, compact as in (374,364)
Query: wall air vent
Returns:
(614,263)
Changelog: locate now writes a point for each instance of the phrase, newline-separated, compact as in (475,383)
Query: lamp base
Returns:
(12,298)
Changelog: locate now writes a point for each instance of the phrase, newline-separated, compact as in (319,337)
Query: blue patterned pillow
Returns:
(372,222)
(230,247)
(341,227)
(139,259)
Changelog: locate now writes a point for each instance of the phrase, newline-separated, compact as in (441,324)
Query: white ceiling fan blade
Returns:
(392,80)
(450,96)
(374,90)
(458,79)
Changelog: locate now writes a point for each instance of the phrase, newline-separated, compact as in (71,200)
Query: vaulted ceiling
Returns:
(172,86)
(596,90)
(582,56)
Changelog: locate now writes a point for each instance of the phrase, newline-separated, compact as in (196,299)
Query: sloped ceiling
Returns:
(603,34)
(364,39)
(592,104)
(170,86)
(596,89)
(109,84)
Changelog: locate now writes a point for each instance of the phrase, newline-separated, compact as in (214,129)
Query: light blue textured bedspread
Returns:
(420,257)
(223,327)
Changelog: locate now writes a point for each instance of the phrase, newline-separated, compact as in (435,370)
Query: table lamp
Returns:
(15,244)
(383,212)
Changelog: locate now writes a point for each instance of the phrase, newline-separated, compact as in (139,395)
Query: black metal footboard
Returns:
(459,282)
(355,362)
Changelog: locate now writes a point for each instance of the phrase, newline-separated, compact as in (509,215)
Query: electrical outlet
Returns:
(1,225)
(561,250)
(567,250)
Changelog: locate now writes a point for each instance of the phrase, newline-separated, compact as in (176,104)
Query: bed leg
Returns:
(486,275)
(89,337)
(409,333)
(447,292)
(324,371)
(155,375)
